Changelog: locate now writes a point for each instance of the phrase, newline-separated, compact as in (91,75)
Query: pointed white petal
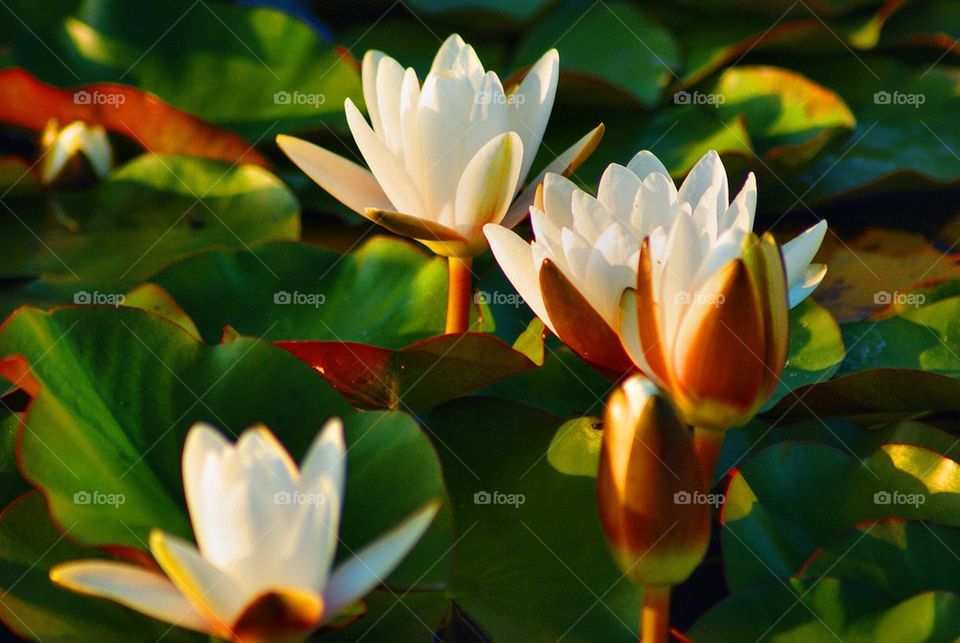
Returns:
(564,164)
(530,106)
(741,212)
(515,257)
(368,77)
(799,252)
(657,204)
(812,278)
(488,117)
(455,57)
(326,457)
(390,173)
(442,116)
(349,183)
(629,329)
(446,57)
(389,79)
(618,191)
(707,173)
(645,163)
(609,273)
(548,236)
(147,592)
(679,270)
(590,218)
(374,563)
(215,593)
(205,483)
(558,194)
(488,183)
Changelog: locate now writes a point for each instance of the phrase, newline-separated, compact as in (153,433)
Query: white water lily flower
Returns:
(66,149)
(266,537)
(587,249)
(445,157)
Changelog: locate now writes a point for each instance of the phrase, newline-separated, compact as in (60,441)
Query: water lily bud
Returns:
(649,488)
(728,348)
(74,156)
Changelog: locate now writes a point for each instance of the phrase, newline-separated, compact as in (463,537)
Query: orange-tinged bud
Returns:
(650,493)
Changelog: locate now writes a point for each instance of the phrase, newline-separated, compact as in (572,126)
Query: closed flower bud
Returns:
(649,488)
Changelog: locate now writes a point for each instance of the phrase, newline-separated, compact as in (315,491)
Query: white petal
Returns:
(548,236)
(558,194)
(390,173)
(705,216)
(741,212)
(530,107)
(489,182)
(515,257)
(707,173)
(609,273)
(389,79)
(305,554)
(216,525)
(799,252)
(349,183)
(442,116)
(657,204)
(455,57)
(214,591)
(147,592)
(618,190)
(681,266)
(326,457)
(563,164)
(814,275)
(410,129)
(629,329)
(368,77)
(488,117)
(590,218)
(645,163)
(371,565)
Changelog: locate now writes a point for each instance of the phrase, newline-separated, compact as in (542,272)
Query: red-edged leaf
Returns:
(423,374)
(27,102)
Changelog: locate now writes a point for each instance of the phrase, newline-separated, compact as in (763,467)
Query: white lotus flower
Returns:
(587,250)
(447,157)
(266,536)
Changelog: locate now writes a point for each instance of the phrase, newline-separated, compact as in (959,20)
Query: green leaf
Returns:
(12,483)
(610,44)
(386,293)
(898,557)
(36,609)
(499,8)
(575,449)
(145,215)
(816,349)
(155,299)
(770,528)
(526,567)
(828,610)
(114,394)
(222,62)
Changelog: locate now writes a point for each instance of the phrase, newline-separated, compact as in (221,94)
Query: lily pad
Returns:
(386,293)
(611,44)
(257,71)
(144,216)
